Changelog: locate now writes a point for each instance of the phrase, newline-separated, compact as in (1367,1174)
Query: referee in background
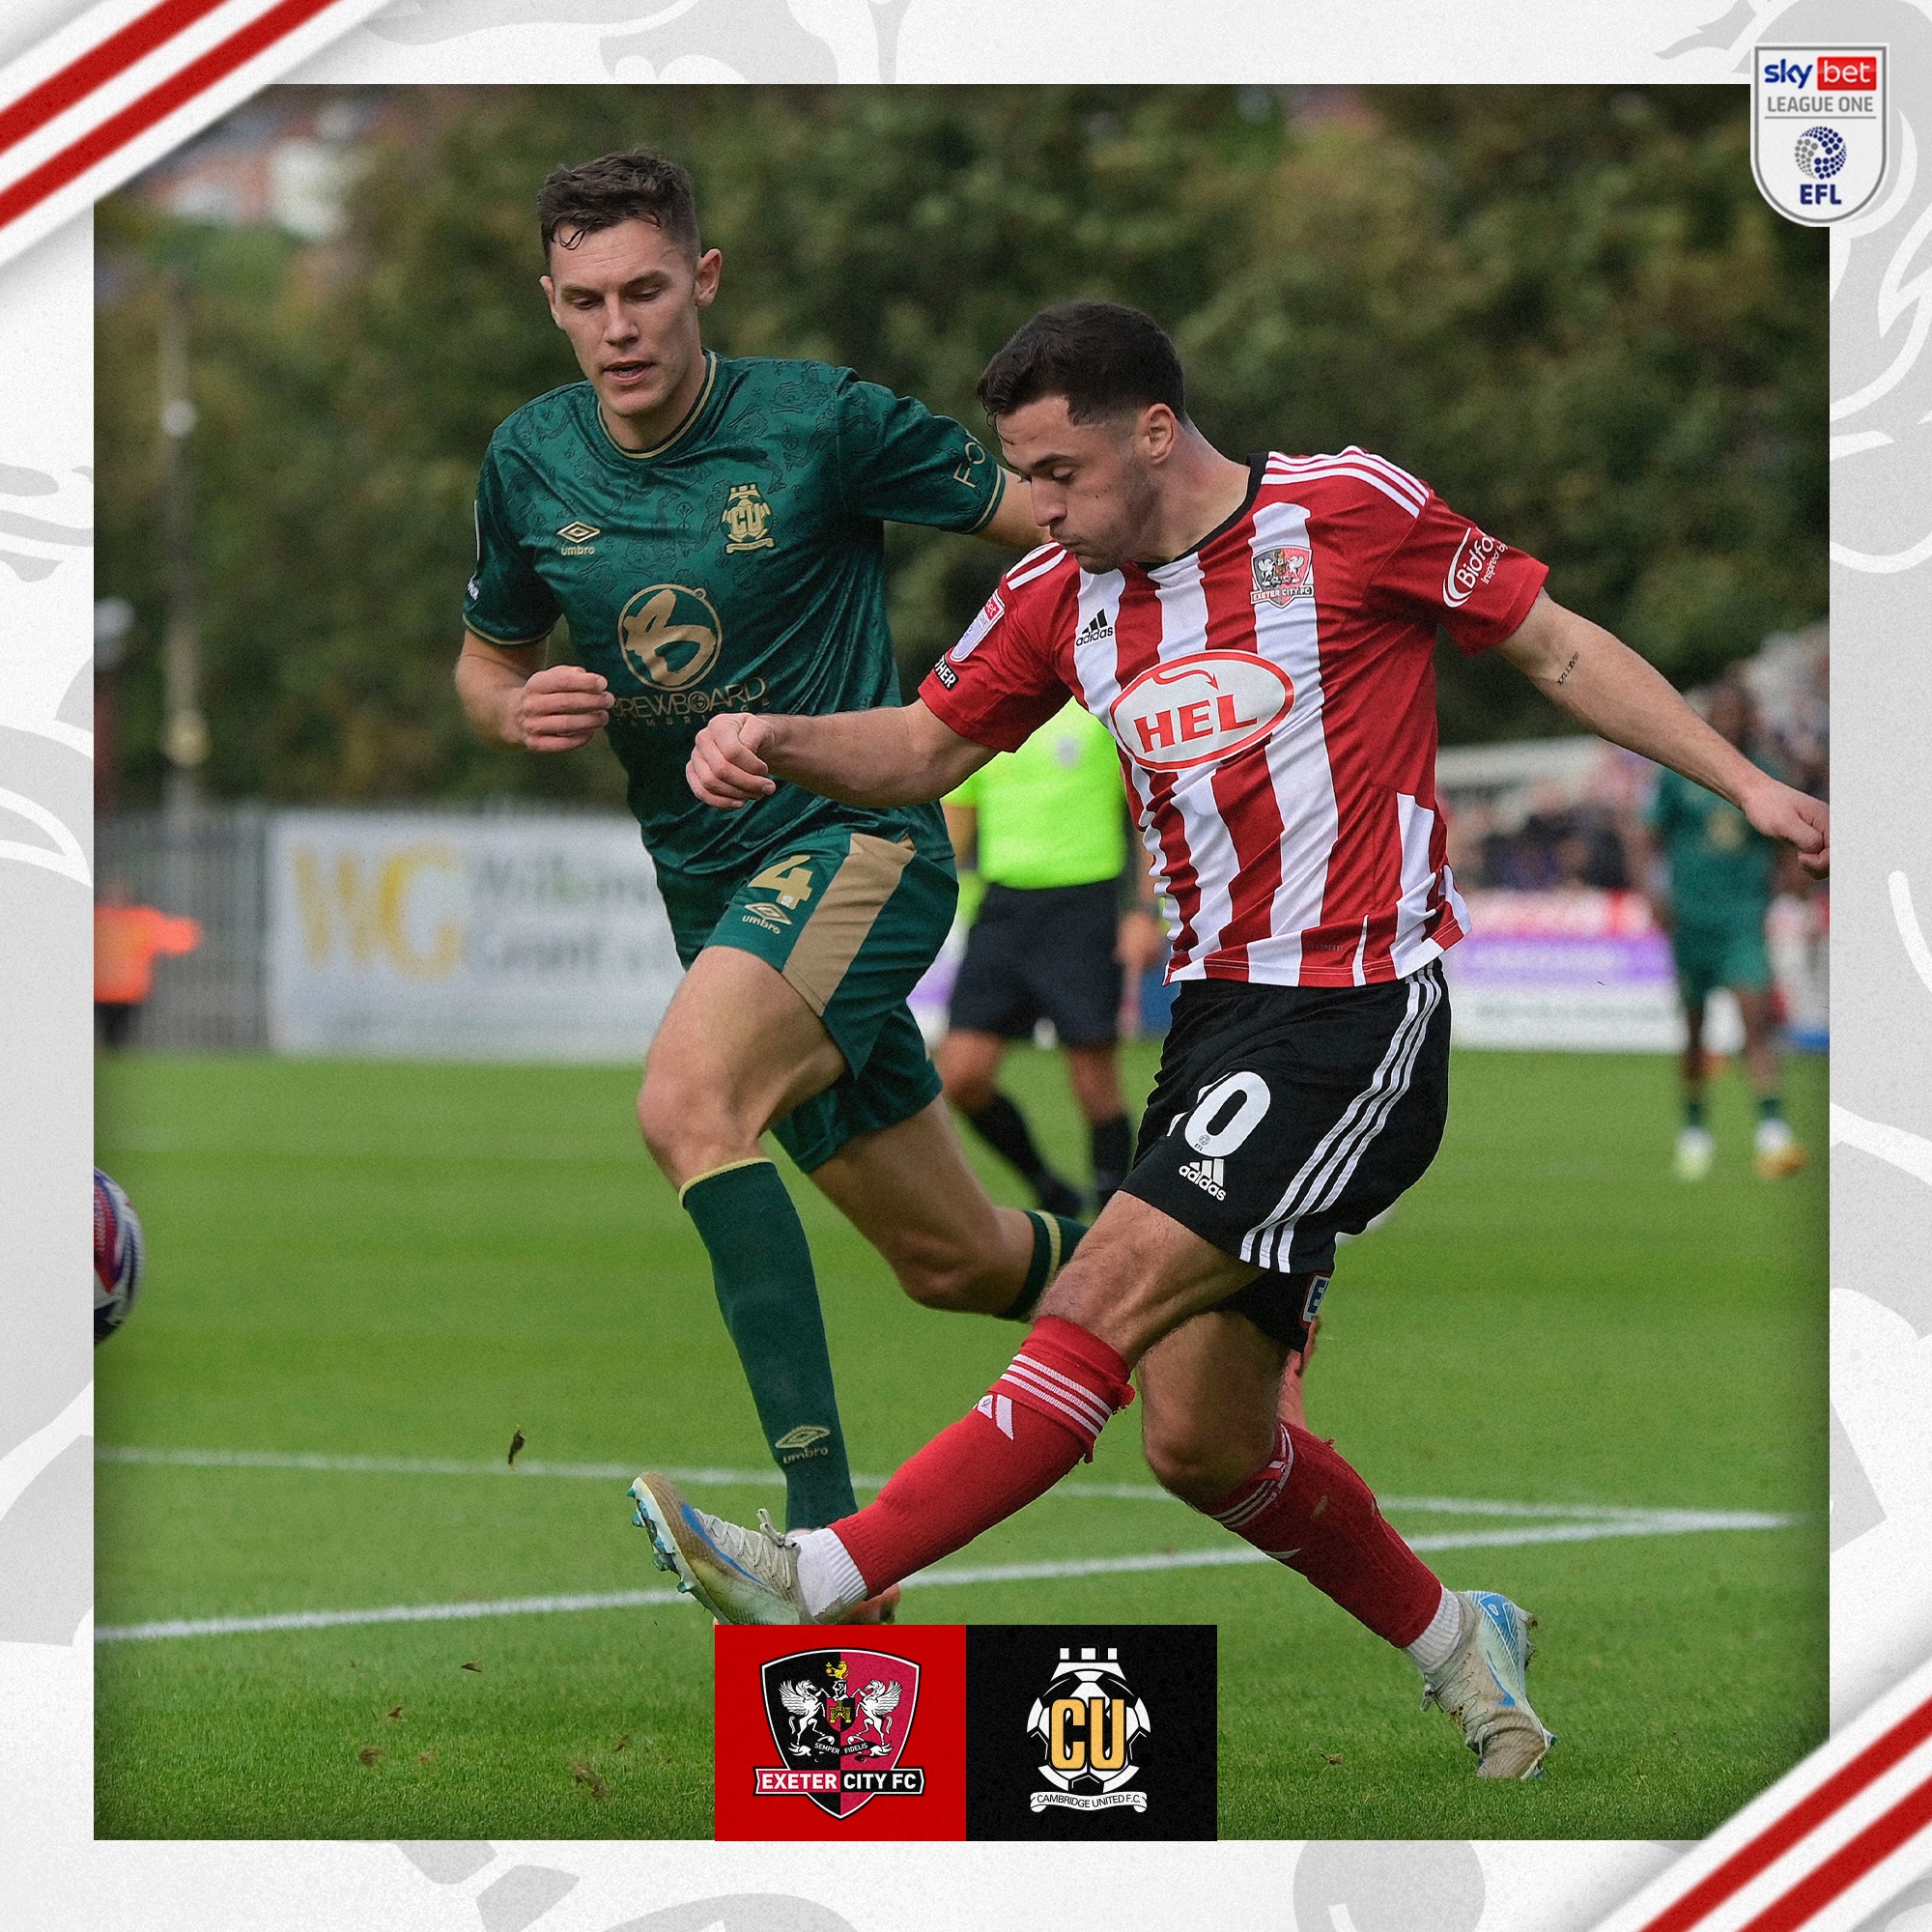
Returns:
(1047,827)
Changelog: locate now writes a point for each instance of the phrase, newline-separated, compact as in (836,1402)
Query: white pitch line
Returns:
(622,1472)
(1686,1523)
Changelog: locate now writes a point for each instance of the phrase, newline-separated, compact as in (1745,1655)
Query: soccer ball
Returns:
(118,1257)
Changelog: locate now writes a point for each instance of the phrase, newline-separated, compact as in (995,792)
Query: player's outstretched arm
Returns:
(510,697)
(1606,684)
(900,755)
(1012,525)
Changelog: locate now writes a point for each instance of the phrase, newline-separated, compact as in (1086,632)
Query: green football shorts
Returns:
(1727,953)
(852,921)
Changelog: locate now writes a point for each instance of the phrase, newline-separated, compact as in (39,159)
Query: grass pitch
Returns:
(406,1264)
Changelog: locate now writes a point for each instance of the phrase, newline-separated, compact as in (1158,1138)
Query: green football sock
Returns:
(761,1268)
(1054,1239)
(1694,1111)
(1770,1107)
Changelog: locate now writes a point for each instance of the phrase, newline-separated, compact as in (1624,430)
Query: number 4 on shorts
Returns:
(789,878)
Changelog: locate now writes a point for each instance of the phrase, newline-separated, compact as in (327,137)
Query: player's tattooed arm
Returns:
(900,754)
(511,697)
(1603,683)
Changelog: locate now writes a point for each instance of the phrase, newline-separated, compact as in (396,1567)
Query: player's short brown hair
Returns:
(636,185)
(1103,358)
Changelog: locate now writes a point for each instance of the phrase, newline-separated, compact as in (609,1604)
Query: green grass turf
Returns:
(413,1260)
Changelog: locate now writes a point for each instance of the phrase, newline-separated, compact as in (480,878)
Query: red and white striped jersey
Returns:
(1272,694)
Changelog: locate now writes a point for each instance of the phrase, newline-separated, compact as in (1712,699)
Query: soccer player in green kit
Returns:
(1721,878)
(711,530)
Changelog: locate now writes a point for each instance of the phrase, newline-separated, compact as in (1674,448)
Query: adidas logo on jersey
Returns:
(1208,1174)
(1098,631)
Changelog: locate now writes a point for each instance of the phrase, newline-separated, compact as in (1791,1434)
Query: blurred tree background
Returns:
(1566,308)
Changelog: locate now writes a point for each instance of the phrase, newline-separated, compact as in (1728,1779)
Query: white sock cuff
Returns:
(1437,1645)
(826,1577)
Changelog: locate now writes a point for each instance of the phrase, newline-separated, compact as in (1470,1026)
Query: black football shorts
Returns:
(1044,952)
(1287,1115)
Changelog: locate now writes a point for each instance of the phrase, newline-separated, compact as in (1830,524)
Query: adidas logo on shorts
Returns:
(1208,1174)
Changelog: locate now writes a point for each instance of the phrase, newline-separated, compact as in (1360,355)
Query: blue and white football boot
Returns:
(1483,1687)
(740,1576)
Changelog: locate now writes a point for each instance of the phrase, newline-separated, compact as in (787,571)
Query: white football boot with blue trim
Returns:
(1483,1687)
(740,1576)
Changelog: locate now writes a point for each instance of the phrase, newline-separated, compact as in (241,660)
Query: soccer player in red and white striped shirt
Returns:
(1259,638)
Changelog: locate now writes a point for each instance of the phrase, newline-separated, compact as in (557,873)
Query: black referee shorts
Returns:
(1284,1116)
(1044,952)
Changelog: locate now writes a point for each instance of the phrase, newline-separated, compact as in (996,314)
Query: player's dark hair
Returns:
(1107,359)
(637,185)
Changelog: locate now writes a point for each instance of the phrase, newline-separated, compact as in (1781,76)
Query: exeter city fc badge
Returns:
(841,1719)
(1818,128)
(1281,576)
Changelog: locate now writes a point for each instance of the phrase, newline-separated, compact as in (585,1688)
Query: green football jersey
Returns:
(1720,865)
(737,567)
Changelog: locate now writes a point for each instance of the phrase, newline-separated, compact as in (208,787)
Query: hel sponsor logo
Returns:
(990,613)
(1472,567)
(1281,576)
(1200,711)
(1088,1727)
(833,1715)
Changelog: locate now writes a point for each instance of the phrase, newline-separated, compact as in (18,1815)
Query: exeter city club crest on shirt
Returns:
(1818,129)
(1282,575)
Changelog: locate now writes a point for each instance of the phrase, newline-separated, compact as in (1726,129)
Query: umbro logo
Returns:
(1208,1174)
(1098,630)
(577,539)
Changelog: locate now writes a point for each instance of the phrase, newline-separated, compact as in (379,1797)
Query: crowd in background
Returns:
(1581,826)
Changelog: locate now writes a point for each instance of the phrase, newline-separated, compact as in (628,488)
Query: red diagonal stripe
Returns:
(1805,1817)
(197,77)
(97,66)
(1849,1863)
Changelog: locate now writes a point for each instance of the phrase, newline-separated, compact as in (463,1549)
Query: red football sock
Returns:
(1040,1418)
(1308,1509)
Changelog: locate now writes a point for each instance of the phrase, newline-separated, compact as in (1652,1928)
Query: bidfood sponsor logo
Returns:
(1201,710)
(1471,567)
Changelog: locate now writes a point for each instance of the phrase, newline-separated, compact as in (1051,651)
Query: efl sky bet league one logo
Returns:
(1282,575)
(1088,1726)
(1818,129)
(840,1718)
(671,634)
(1200,710)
